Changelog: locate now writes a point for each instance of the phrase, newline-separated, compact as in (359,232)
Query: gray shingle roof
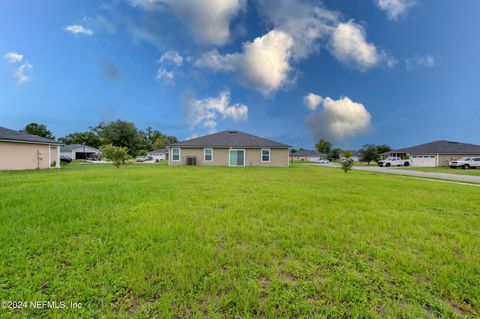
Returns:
(308,153)
(71,147)
(441,147)
(231,139)
(16,136)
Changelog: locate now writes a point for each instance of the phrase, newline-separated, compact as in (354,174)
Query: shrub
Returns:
(348,162)
(117,155)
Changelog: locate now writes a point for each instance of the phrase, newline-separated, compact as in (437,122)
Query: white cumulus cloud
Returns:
(312,101)
(305,22)
(339,119)
(22,73)
(206,112)
(264,63)
(349,45)
(77,29)
(395,8)
(13,57)
(171,57)
(299,28)
(207,20)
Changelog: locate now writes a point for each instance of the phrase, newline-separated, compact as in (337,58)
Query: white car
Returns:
(465,162)
(394,161)
(324,161)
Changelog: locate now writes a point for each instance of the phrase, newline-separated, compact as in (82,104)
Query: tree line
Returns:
(117,133)
(367,153)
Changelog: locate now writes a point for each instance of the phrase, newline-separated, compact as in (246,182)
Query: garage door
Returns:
(82,155)
(424,160)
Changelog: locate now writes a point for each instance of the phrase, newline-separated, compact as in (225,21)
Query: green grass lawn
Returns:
(157,241)
(475,172)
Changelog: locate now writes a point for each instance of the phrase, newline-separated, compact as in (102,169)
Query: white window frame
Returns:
(205,154)
(179,154)
(244,155)
(269,155)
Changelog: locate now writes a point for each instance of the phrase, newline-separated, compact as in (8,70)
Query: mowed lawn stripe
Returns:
(153,240)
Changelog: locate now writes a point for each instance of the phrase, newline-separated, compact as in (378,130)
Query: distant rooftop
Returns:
(7,134)
(227,139)
(440,147)
(71,147)
(308,153)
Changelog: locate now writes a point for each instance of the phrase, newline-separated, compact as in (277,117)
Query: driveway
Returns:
(404,172)
(396,171)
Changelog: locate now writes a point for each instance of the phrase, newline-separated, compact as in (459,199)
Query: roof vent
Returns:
(232,132)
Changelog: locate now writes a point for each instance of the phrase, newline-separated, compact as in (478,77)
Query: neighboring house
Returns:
(78,151)
(159,154)
(355,157)
(229,148)
(307,155)
(438,153)
(20,150)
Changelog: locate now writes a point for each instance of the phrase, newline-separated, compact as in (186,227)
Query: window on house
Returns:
(265,155)
(175,154)
(208,154)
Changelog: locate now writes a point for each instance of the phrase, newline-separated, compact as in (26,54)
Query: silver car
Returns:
(465,162)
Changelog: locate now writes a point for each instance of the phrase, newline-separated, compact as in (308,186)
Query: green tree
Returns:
(117,155)
(369,153)
(88,138)
(122,134)
(164,140)
(324,146)
(383,148)
(348,162)
(38,129)
(335,153)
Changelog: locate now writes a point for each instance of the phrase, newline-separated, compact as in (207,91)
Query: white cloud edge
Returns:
(78,29)
(13,57)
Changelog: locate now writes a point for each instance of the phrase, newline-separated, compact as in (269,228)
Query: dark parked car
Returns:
(93,157)
(65,159)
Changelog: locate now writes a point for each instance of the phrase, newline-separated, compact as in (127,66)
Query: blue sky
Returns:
(399,72)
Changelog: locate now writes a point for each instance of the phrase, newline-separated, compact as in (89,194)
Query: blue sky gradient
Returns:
(423,83)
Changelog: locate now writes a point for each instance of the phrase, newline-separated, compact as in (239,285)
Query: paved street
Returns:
(398,171)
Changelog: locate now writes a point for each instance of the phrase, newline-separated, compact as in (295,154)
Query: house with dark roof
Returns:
(307,155)
(19,150)
(437,153)
(78,151)
(229,148)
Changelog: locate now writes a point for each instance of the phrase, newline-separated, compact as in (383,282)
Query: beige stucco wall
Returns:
(443,160)
(299,158)
(278,157)
(17,156)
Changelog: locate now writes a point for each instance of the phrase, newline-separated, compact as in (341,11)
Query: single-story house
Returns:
(307,155)
(78,151)
(437,153)
(20,150)
(159,155)
(355,157)
(229,148)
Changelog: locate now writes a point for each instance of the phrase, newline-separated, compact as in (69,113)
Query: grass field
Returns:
(157,241)
(475,172)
